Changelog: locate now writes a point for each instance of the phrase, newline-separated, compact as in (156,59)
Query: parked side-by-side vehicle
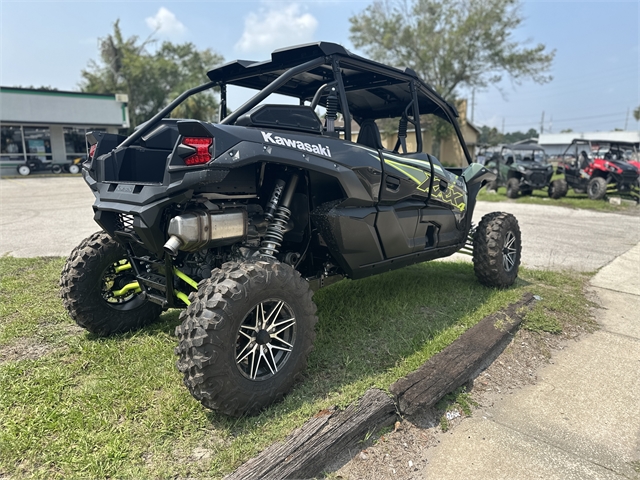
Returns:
(237,222)
(599,167)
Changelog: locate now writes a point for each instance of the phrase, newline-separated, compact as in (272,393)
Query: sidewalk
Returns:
(581,420)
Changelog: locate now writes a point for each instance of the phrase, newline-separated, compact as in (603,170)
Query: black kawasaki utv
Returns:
(522,169)
(237,222)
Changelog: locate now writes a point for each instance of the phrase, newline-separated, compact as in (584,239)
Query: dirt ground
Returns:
(402,452)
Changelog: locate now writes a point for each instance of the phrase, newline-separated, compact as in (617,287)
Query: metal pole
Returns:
(272,87)
(162,113)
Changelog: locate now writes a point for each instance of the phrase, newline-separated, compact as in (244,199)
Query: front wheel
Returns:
(597,188)
(246,336)
(558,189)
(24,170)
(497,249)
(74,169)
(513,186)
(100,290)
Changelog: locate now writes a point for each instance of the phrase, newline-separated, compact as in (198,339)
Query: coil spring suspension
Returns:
(275,232)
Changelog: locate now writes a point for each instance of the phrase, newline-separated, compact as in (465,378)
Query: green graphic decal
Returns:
(453,196)
(418,175)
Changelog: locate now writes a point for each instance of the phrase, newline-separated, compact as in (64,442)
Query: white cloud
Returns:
(166,23)
(276,27)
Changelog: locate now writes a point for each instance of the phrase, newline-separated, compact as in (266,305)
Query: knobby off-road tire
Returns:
(513,185)
(82,289)
(497,249)
(492,186)
(224,324)
(558,189)
(597,188)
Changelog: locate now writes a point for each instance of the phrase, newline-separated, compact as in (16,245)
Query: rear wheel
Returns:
(100,291)
(74,169)
(24,170)
(597,188)
(558,189)
(492,186)
(56,168)
(497,249)
(246,336)
(513,185)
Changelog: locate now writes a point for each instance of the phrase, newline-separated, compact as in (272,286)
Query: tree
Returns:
(452,44)
(152,79)
(636,114)
(491,136)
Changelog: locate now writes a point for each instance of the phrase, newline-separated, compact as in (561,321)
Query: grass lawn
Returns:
(76,406)
(572,200)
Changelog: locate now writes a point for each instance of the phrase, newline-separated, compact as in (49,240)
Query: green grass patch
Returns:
(81,406)
(572,200)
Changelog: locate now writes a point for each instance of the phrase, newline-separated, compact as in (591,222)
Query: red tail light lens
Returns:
(202,154)
(92,150)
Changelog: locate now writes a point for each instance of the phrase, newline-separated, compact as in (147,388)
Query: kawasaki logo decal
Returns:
(318,149)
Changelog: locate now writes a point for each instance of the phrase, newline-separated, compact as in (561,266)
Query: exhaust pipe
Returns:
(173,245)
(200,229)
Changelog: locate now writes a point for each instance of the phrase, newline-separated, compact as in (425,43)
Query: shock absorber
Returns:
(332,110)
(275,231)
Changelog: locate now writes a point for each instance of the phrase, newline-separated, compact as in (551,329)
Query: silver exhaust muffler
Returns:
(200,229)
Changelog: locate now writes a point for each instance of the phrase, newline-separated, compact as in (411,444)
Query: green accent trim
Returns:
(185,278)
(56,93)
(418,175)
(135,286)
(124,113)
(123,267)
(182,297)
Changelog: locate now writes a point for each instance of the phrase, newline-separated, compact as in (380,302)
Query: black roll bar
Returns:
(135,136)
(272,87)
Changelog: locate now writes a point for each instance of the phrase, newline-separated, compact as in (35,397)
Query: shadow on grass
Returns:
(368,327)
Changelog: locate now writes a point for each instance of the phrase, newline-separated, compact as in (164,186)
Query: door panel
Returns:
(405,177)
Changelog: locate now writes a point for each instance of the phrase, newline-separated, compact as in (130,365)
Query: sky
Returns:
(595,86)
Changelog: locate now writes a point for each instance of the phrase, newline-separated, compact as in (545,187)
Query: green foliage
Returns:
(458,400)
(636,114)
(538,320)
(491,136)
(152,79)
(572,200)
(452,44)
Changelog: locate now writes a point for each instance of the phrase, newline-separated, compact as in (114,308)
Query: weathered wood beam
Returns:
(314,446)
(459,362)
(309,450)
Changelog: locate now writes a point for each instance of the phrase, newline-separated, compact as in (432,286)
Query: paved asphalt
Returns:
(49,216)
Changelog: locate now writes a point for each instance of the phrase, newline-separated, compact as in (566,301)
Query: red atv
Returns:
(600,167)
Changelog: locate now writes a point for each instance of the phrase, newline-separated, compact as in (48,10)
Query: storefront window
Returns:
(11,147)
(75,142)
(38,143)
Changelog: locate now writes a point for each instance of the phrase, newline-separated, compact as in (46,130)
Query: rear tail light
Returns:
(92,151)
(201,150)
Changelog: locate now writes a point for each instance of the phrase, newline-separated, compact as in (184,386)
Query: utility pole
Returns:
(473,104)
(542,123)
(626,120)
(551,124)
(503,125)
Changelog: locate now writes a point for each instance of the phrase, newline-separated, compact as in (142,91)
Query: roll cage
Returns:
(326,74)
